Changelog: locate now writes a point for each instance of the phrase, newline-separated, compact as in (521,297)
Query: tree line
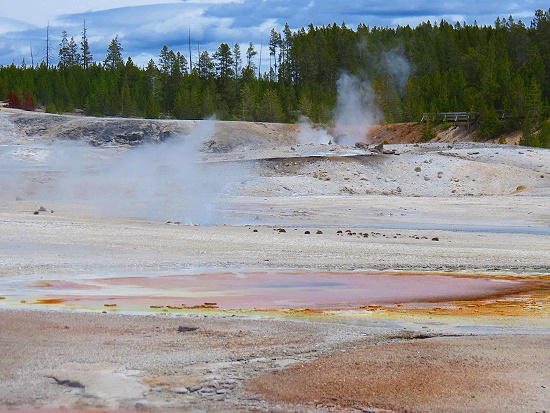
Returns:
(501,72)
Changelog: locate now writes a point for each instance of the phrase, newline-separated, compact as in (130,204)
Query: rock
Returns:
(379,148)
(185,329)
(68,383)
(42,209)
(362,145)
(180,390)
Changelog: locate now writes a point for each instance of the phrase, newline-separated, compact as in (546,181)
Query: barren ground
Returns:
(88,289)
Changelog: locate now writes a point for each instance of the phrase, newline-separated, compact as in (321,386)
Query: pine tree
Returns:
(166,60)
(270,109)
(248,104)
(113,59)
(274,43)
(74,56)
(205,66)
(224,61)
(182,63)
(64,52)
(250,53)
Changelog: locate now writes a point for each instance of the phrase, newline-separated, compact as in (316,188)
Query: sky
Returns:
(144,26)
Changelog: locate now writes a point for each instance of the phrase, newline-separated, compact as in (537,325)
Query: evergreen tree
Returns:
(206,67)
(74,55)
(248,104)
(64,52)
(181,63)
(274,43)
(113,59)
(270,108)
(224,62)
(250,53)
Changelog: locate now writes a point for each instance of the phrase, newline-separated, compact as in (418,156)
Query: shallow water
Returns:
(255,290)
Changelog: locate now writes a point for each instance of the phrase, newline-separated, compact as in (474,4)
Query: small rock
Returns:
(185,329)
(180,390)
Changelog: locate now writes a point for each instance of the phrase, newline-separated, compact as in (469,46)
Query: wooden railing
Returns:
(450,117)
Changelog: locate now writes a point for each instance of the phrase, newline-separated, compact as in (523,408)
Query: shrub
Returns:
(13,101)
(51,108)
(28,102)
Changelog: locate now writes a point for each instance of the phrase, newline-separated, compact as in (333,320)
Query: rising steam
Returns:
(356,110)
(311,134)
(398,67)
(159,181)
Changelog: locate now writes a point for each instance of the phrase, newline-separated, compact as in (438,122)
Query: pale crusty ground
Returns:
(495,222)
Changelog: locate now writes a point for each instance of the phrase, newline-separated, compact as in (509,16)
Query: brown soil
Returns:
(396,133)
(481,374)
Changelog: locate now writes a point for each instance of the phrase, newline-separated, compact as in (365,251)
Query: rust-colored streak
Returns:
(50,301)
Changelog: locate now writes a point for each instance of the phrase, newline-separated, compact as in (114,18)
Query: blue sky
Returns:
(144,26)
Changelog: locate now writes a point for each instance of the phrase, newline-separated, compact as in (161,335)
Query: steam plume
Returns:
(356,109)
(159,181)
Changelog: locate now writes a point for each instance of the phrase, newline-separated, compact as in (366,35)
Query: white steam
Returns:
(159,181)
(398,67)
(356,110)
(310,134)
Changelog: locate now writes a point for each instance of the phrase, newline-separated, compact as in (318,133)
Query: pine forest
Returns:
(500,73)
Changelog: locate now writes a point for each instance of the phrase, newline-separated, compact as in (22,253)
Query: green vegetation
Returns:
(501,72)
